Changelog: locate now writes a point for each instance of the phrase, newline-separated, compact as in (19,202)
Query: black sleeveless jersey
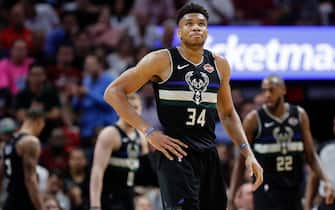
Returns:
(123,163)
(18,196)
(186,101)
(279,148)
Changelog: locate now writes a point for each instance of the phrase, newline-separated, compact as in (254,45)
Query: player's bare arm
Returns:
(232,123)
(108,140)
(311,156)
(311,190)
(250,127)
(29,149)
(153,67)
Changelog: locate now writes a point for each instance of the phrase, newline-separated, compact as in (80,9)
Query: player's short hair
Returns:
(191,8)
(35,114)
(275,79)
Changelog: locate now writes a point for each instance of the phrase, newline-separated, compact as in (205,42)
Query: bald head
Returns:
(274,79)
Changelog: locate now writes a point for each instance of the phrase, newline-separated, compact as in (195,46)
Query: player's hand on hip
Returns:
(254,168)
(168,146)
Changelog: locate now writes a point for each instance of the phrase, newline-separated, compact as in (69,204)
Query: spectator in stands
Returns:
(55,188)
(13,70)
(88,99)
(16,29)
(142,202)
(77,179)
(244,197)
(39,93)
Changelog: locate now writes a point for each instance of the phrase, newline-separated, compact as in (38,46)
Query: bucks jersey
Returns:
(123,164)
(186,101)
(279,148)
(18,196)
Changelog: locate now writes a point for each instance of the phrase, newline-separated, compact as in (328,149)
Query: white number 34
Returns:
(193,119)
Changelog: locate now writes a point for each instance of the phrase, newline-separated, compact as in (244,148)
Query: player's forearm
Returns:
(95,188)
(311,189)
(118,100)
(32,187)
(233,126)
(314,163)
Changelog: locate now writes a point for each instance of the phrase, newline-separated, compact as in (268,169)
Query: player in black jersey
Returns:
(20,158)
(116,159)
(191,87)
(281,139)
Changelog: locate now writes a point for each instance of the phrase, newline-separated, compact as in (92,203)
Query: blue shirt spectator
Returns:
(94,111)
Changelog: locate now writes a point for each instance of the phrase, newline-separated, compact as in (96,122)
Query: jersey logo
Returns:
(133,150)
(293,121)
(268,124)
(197,82)
(283,136)
(179,67)
(209,68)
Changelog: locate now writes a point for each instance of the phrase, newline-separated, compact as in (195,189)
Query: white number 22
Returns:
(192,117)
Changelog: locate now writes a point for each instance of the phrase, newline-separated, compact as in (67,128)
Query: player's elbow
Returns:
(110,93)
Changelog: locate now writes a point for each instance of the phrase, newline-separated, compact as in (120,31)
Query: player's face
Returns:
(193,29)
(273,94)
(136,104)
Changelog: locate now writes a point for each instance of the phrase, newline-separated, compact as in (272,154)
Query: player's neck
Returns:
(125,126)
(27,128)
(279,111)
(192,54)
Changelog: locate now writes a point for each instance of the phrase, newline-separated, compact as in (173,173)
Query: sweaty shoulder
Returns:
(222,66)
(109,137)
(28,142)
(158,62)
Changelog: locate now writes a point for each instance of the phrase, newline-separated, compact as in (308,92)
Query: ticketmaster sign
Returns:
(293,52)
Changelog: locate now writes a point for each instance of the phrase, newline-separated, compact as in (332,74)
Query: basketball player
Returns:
(116,159)
(280,136)
(191,87)
(327,159)
(20,158)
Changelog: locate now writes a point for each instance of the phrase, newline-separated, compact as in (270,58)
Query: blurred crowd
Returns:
(61,55)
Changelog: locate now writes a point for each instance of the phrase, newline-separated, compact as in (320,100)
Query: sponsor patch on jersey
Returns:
(209,68)
(293,121)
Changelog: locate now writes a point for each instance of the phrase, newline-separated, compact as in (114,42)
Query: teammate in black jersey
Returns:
(116,159)
(281,139)
(191,87)
(20,158)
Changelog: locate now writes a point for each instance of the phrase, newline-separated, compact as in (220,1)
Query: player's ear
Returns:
(179,33)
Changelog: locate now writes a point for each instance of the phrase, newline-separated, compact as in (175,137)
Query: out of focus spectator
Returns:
(55,187)
(40,17)
(120,14)
(54,154)
(157,10)
(13,70)
(39,93)
(88,100)
(63,71)
(143,32)
(244,197)
(221,11)
(61,34)
(121,59)
(104,33)
(7,127)
(51,203)
(37,47)
(77,179)
(16,29)
(166,40)
(142,202)
(84,10)
(82,47)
